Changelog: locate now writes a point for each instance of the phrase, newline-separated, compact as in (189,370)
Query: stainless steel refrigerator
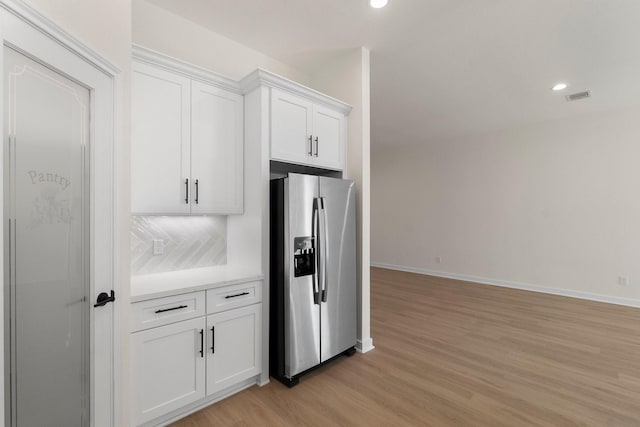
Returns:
(313,273)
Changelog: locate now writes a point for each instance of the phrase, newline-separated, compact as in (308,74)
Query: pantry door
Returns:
(58,232)
(47,207)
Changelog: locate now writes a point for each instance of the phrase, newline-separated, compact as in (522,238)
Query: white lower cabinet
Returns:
(168,369)
(192,362)
(233,354)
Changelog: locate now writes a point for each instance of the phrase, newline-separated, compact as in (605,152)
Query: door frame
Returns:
(24,29)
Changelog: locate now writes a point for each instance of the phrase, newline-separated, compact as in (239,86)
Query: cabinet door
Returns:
(216,150)
(328,137)
(290,128)
(167,368)
(160,103)
(233,347)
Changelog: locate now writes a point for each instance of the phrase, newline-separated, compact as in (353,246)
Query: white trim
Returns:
(143,54)
(261,77)
(120,334)
(364,346)
(5,366)
(515,285)
(54,32)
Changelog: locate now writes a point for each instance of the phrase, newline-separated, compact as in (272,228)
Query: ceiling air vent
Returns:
(579,95)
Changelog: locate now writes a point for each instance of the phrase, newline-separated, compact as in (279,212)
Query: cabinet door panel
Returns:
(328,135)
(233,347)
(167,369)
(216,150)
(160,103)
(290,128)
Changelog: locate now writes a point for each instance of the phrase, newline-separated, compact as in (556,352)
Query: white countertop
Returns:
(149,286)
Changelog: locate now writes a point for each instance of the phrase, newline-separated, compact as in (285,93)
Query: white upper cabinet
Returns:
(161,114)
(187,145)
(305,132)
(291,128)
(216,149)
(328,137)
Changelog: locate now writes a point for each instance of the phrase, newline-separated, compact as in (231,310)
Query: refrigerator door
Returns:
(302,314)
(338,311)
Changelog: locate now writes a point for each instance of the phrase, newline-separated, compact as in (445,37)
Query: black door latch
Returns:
(104,298)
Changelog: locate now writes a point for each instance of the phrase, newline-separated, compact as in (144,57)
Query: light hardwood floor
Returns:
(452,353)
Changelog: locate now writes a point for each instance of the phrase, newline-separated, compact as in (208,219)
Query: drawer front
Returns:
(233,296)
(162,311)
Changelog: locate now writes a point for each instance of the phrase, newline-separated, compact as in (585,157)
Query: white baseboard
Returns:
(364,346)
(515,285)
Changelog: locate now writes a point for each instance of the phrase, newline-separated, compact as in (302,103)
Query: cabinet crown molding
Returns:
(262,77)
(247,84)
(143,54)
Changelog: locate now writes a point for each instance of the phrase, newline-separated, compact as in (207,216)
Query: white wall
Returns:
(554,205)
(105,26)
(346,77)
(165,32)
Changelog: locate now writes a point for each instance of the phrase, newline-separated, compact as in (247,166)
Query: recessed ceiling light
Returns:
(559,86)
(377,4)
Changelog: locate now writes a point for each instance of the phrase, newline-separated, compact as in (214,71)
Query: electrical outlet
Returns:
(438,259)
(623,280)
(158,247)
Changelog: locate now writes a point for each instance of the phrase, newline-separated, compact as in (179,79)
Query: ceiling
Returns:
(442,69)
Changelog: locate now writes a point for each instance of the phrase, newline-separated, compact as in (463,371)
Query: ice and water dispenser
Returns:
(304,256)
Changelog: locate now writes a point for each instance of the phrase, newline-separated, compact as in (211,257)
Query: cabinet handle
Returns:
(197,192)
(186,186)
(201,342)
(172,308)
(236,295)
(317,146)
(213,340)
(311,145)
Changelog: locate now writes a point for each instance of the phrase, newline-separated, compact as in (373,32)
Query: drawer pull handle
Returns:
(172,308)
(213,340)
(236,295)
(201,342)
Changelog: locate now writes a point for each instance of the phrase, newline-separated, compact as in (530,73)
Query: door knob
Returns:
(104,298)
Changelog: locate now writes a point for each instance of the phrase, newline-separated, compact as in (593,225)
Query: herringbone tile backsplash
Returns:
(190,242)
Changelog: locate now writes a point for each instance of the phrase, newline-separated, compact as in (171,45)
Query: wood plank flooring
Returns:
(452,353)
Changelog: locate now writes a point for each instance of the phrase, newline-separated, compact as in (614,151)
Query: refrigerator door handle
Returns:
(315,225)
(325,237)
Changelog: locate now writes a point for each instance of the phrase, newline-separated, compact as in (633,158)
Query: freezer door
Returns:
(338,310)
(302,314)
